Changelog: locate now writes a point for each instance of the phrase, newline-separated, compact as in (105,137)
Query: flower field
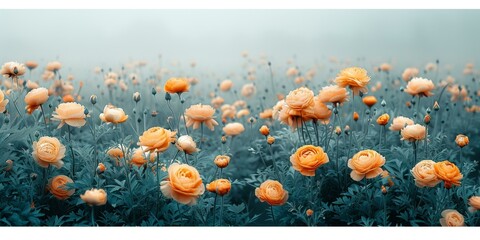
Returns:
(275,143)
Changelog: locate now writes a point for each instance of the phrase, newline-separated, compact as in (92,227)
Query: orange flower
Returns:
(68,98)
(53,66)
(183,184)
(366,163)
(413,133)
(31,64)
(233,129)
(138,157)
(156,139)
(219,186)
(420,87)
(71,113)
(48,151)
(266,114)
(474,202)
(243,113)
(383,119)
(355,116)
(3,101)
(226,85)
(461,140)
(354,77)
(264,130)
(177,85)
(369,100)
(32,85)
(319,112)
(94,197)
(424,174)
(35,98)
(217,101)
(409,73)
(309,212)
(400,122)
(333,94)
(101,168)
(300,99)
(200,114)
(272,192)
(12,69)
(58,187)
(448,172)
(186,144)
(114,115)
(452,218)
(307,159)
(222,161)
(248,90)
(270,140)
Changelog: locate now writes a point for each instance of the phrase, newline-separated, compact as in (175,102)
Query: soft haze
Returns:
(82,39)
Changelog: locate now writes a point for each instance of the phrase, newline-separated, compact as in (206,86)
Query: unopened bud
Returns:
(270,140)
(93,99)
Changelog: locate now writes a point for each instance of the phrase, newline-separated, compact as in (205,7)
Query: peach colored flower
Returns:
(369,100)
(383,119)
(9,165)
(12,69)
(114,115)
(292,72)
(156,139)
(409,73)
(270,140)
(219,186)
(452,218)
(222,161)
(272,192)
(177,85)
(266,114)
(366,163)
(217,102)
(420,86)
(48,151)
(240,104)
(186,144)
(385,67)
(424,174)
(139,156)
(58,187)
(448,172)
(3,101)
(300,99)
(31,64)
(264,130)
(94,197)
(319,112)
(309,212)
(226,85)
(70,113)
(35,98)
(474,203)
(183,184)
(53,66)
(355,78)
(32,85)
(333,94)
(248,90)
(400,122)
(277,109)
(200,114)
(461,140)
(243,113)
(413,133)
(299,80)
(307,159)
(233,129)
(228,111)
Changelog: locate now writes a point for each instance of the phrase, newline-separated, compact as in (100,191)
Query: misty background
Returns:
(83,39)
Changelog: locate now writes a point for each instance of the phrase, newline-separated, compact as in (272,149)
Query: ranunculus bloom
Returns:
(222,161)
(116,153)
(3,102)
(448,172)
(248,90)
(369,100)
(383,119)
(68,98)
(95,197)
(177,85)
(35,98)
(219,186)
(461,140)
(424,174)
(355,78)
(70,113)
(217,101)
(139,155)
(31,64)
(228,111)
(300,99)
(233,129)
(264,130)
(451,218)
(243,113)
(409,73)
(226,85)
(307,159)
(156,139)
(12,69)
(114,115)
(474,203)
(198,114)
(385,67)
(309,212)
(32,85)
(399,123)
(319,112)
(53,66)
(270,140)
(366,163)
(186,144)
(272,192)
(48,151)
(333,94)
(420,86)
(266,114)
(183,184)
(413,133)
(58,187)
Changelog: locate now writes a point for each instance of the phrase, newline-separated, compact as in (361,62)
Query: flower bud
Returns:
(436,107)
(168,97)
(461,140)
(154,91)
(309,212)
(33,176)
(355,116)
(101,168)
(264,130)
(384,190)
(136,97)
(383,119)
(338,130)
(222,161)
(427,119)
(224,139)
(93,99)
(9,165)
(270,140)
(346,130)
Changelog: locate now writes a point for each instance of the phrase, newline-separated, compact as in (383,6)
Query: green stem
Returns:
(273,215)
(71,150)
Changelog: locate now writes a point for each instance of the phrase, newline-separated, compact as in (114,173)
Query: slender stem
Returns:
(274,163)
(201,136)
(221,213)
(44,119)
(183,113)
(93,216)
(385,210)
(173,113)
(186,158)
(415,152)
(214,208)
(336,158)
(316,132)
(173,159)
(71,150)
(158,181)
(426,142)
(273,215)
